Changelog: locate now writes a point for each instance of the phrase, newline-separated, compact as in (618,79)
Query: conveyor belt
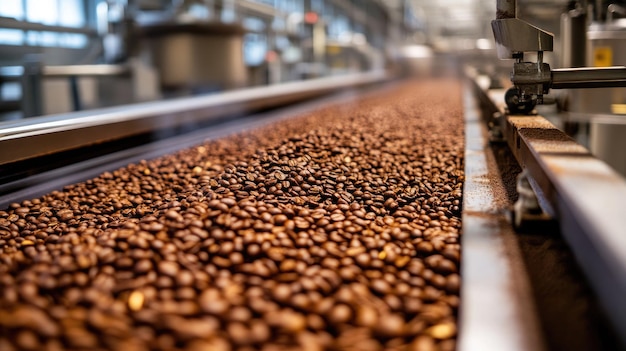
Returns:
(336,230)
(41,183)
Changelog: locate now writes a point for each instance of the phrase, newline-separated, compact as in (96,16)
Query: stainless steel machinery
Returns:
(515,37)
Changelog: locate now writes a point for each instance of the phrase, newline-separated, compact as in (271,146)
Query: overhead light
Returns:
(417,51)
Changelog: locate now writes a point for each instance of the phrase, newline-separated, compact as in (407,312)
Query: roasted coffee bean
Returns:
(391,325)
(366,316)
(340,314)
(337,230)
(143,266)
(168,268)
(380,286)
(453,283)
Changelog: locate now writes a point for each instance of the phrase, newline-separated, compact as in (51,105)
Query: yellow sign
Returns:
(618,109)
(333,49)
(603,56)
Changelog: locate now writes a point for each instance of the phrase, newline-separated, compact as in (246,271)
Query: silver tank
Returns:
(606,46)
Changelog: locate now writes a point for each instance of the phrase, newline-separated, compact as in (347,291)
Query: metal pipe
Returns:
(505,9)
(574,37)
(12,23)
(614,8)
(606,77)
(85,70)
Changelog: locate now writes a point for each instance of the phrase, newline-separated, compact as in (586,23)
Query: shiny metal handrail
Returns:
(32,137)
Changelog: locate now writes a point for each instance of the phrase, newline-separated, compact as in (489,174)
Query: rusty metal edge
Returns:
(587,197)
(496,311)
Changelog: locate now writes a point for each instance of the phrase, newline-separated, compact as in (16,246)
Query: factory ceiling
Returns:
(471,18)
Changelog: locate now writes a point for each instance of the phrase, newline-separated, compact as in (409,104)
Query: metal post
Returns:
(32,93)
(505,9)
(75,92)
(574,37)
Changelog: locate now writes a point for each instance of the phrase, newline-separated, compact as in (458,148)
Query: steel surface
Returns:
(496,308)
(587,197)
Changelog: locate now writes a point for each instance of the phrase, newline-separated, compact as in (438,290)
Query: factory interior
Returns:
(345,175)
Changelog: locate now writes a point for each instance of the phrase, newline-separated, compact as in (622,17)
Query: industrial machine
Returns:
(532,80)
(561,178)
(135,51)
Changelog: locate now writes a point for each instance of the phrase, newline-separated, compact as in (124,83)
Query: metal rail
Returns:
(15,73)
(86,70)
(32,137)
(6,22)
(587,198)
(585,77)
(491,269)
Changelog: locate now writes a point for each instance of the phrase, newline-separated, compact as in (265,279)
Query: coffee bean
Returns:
(239,333)
(143,266)
(337,230)
(340,314)
(380,286)
(168,268)
(27,340)
(423,343)
(453,284)
(366,316)
(391,325)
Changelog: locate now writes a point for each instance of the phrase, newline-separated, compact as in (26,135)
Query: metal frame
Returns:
(32,137)
(585,195)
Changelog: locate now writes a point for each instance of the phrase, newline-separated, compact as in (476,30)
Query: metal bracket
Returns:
(495,128)
(526,211)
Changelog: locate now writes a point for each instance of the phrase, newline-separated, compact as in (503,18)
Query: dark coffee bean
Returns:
(259,332)
(366,316)
(337,230)
(363,259)
(168,268)
(340,314)
(453,284)
(380,286)
(143,266)
(27,340)
(423,343)
(239,333)
(392,325)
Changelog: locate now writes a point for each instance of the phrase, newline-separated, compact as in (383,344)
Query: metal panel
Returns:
(514,35)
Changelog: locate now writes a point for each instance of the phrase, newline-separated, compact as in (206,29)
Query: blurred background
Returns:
(58,56)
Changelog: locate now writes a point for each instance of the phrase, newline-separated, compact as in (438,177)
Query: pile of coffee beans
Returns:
(337,230)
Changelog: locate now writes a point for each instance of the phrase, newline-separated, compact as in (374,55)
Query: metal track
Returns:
(587,198)
(46,182)
(497,311)
(32,137)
